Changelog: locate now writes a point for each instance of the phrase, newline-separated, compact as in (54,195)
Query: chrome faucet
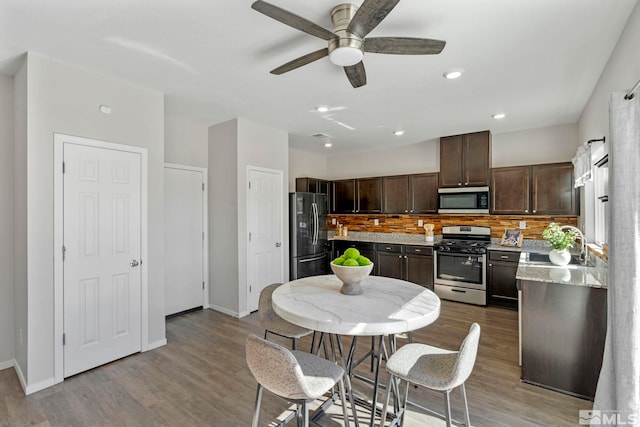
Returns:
(583,242)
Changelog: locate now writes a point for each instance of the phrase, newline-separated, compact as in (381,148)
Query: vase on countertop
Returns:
(559,257)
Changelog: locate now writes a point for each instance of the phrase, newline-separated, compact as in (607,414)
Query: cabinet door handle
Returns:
(405,257)
(534,211)
(504,257)
(490,265)
(526,210)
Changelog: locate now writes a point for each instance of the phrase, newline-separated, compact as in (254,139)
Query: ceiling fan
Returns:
(347,42)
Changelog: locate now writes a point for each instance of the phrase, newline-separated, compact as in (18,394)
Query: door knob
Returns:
(278,244)
(134,263)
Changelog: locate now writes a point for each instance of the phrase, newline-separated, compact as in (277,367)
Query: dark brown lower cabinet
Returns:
(563,332)
(502,268)
(406,262)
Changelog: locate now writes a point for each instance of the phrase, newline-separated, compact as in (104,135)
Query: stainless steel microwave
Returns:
(466,200)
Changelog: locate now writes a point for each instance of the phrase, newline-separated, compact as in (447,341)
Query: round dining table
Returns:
(386,307)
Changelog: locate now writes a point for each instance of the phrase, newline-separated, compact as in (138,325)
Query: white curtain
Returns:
(619,383)
(582,165)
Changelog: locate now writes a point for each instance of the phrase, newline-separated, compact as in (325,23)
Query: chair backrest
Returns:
(265,307)
(275,368)
(466,356)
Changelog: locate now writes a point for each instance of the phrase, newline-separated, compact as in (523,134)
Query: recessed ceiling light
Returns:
(452,74)
(322,108)
(499,116)
(328,144)
(398,132)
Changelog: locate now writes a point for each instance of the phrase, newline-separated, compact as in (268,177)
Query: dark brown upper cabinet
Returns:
(545,189)
(363,195)
(369,195)
(312,185)
(510,190)
(343,196)
(552,190)
(410,193)
(465,160)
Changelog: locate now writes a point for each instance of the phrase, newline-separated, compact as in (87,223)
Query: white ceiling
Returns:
(535,60)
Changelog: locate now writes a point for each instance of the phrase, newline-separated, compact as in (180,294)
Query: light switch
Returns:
(420,223)
(376,222)
(333,221)
(523,225)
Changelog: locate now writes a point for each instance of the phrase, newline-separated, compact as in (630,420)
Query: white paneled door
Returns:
(264,263)
(102,246)
(184,238)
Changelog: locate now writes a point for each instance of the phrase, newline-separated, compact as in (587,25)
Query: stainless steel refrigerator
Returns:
(310,250)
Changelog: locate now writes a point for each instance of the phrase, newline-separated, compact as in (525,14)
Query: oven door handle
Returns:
(458,290)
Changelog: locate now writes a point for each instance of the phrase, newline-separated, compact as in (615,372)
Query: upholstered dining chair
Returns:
(274,324)
(293,375)
(433,368)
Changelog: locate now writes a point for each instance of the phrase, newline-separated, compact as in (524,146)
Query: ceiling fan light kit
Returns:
(347,43)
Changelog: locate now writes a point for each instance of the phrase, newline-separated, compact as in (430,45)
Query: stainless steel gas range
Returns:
(460,264)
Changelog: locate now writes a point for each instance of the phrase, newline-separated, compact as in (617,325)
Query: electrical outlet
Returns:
(376,222)
(420,223)
(333,221)
(523,225)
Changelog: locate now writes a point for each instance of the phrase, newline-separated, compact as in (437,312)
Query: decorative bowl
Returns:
(351,277)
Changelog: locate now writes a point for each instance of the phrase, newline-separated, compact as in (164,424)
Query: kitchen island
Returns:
(563,322)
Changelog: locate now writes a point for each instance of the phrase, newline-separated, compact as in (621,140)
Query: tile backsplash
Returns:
(408,224)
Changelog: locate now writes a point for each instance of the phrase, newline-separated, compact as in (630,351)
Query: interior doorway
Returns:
(185,200)
(100,284)
(265,216)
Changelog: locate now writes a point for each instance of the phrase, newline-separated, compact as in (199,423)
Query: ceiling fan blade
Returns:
(292,20)
(403,45)
(356,74)
(369,15)
(299,62)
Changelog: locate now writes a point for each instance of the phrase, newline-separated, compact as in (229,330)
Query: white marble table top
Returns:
(387,306)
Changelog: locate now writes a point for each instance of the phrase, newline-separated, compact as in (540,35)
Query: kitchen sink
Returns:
(538,258)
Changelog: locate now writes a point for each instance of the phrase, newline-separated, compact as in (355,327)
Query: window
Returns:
(601,193)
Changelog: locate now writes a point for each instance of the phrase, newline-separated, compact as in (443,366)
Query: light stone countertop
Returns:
(576,275)
(571,275)
(389,238)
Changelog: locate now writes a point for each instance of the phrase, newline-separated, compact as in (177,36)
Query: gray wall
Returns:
(6,223)
(64,99)
(223,217)
(185,142)
(20,222)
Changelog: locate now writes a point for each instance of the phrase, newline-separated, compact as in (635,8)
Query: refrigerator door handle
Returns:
(314,209)
(313,259)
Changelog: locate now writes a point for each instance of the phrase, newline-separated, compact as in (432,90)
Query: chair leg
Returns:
(343,396)
(305,414)
(467,420)
(294,343)
(256,411)
(403,411)
(383,417)
(447,408)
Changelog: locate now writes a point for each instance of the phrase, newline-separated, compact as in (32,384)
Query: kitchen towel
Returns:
(618,391)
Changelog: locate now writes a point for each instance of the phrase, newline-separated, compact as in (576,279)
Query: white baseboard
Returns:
(8,364)
(32,388)
(156,344)
(225,311)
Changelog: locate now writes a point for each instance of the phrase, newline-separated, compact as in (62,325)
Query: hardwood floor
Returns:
(200,378)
